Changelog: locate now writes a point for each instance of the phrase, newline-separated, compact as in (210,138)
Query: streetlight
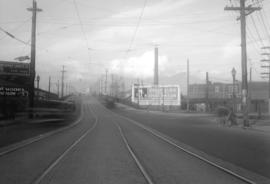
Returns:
(234,102)
(38,78)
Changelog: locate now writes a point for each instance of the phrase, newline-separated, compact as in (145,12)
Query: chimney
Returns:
(156,67)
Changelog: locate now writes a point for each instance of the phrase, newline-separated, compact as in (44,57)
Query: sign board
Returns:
(13,91)
(14,68)
(156,95)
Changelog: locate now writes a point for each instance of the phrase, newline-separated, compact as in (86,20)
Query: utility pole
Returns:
(62,85)
(267,73)
(112,85)
(250,75)
(244,11)
(207,92)
(34,11)
(188,85)
(49,88)
(58,85)
(106,78)
(67,89)
(233,95)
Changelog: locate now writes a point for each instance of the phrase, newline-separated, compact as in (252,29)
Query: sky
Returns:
(90,37)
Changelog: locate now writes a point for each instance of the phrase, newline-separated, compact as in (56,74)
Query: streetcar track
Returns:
(59,159)
(173,143)
(19,145)
(135,158)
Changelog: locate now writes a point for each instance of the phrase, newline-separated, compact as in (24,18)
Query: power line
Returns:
(137,27)
(18,27)
(257,30)
(14,37)
(82,28)
(263,21)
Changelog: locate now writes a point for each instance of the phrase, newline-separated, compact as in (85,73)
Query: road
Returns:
(107,148)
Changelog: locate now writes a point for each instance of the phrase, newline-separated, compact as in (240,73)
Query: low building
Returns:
(217,94)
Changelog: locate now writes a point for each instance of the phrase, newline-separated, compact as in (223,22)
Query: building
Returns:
(221,94)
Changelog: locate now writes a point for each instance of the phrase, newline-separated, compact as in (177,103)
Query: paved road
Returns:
(248,149)
(95,151)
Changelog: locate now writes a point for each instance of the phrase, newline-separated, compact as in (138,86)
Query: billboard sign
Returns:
(156,95)
(13,91)
(14,68)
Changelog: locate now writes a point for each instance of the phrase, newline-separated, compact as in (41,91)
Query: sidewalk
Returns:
(262,125)
(175,113)
(23,120)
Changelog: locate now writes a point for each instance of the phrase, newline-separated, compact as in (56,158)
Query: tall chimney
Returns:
(156,67)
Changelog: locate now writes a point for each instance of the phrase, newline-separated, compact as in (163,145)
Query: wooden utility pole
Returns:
(106,78)
(58,86)
(233,91)
(250,75)
(112,85)
(188,85)
(207,92)
(244,11)
(62,85)
(34,11)
(267,73)
(49,88)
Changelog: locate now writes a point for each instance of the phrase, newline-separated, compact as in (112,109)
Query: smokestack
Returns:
(156,67)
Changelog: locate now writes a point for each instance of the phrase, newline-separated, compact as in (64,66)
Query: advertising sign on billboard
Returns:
(13,91)
(14,68)
(156,95)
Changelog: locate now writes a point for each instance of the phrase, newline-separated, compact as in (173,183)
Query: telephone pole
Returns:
(267,73)
(62,85)
(244,11)
(207,92)
(188,85)
(34,11)
(58,85)
(49,88)
(112,85)
(106,78)
(250,75)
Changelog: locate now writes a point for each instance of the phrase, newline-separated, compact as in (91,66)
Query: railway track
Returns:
(173,143)
(62,155)
(73,145)
(145,173)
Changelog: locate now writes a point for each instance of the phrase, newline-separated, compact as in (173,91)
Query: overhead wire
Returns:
(136,28)
(16,28)
(265,23)
(13,37)
(82,28)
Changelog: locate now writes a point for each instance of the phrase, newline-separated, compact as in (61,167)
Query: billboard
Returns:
(13,91)
(168,95)
(14,68)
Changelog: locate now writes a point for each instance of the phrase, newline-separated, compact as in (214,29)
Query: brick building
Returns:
(216,94)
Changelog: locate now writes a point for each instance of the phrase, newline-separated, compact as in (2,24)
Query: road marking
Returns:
(24,143)
(58,160)
(159,135)
(138,163)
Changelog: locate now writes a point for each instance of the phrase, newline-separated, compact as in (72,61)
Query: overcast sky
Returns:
(90,36)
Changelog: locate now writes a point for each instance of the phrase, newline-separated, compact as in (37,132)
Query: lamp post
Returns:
(233,92)
(38,78)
